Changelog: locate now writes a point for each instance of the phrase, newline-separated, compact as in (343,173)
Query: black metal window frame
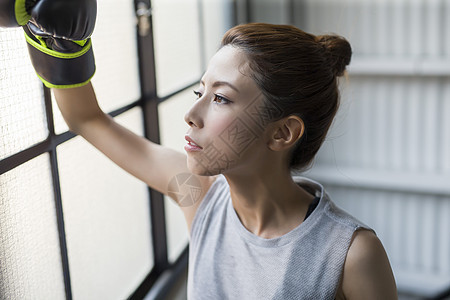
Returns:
(148,102)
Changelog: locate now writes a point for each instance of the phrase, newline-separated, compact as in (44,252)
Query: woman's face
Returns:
(227,120)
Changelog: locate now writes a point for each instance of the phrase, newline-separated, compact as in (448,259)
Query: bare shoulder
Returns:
(367,271)
(188,191)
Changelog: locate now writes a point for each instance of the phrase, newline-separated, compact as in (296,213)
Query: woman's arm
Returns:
(152,163)
(367,272)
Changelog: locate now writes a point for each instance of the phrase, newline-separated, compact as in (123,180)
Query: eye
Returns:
(198,94)
(220,100)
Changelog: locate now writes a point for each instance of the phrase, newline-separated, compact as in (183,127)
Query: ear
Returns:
(286,132)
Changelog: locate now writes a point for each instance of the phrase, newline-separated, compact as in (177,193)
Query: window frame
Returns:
(154,285)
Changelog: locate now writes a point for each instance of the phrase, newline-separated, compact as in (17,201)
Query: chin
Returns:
(201,169)
(196,168)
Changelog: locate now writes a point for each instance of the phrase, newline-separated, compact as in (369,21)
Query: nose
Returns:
(193,116)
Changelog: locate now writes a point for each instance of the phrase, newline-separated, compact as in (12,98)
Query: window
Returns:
(67,211)
(183,46)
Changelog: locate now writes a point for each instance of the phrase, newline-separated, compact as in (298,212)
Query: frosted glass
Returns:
(217,24)
(107,217)
(270,11)
(172,131)
(176,228)
(22,113)
(30,260)
(60,124)
(177,44)
(116,80)
(171,112)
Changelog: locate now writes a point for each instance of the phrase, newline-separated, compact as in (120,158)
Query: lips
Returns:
(191,145)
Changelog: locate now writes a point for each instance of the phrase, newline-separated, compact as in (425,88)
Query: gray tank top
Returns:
(226,261)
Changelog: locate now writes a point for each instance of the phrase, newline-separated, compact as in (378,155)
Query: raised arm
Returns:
(142,158)
(58,38)
(154,164)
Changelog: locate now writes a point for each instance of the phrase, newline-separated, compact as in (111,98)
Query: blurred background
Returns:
(73,225)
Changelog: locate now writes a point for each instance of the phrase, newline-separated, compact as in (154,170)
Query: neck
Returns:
(268,202)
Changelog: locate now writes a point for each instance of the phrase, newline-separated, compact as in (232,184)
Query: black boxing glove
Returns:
(58,35)
(14,13)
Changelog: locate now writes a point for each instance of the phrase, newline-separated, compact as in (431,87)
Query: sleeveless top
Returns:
(226,261)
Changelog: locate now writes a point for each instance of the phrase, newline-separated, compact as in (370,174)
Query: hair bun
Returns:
(339,52)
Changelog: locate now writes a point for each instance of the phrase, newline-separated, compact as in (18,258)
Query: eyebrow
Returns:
(219,83)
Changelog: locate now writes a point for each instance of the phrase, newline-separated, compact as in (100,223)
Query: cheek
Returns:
(230,136)
(234,131)
(242,123)
(219,124)
(238,136)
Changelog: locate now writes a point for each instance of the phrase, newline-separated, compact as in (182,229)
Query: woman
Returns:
(264,107)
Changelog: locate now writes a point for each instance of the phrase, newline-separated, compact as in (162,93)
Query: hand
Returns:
(58,35)
(14,13)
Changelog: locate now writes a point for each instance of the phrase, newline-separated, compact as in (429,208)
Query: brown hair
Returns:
(297,73)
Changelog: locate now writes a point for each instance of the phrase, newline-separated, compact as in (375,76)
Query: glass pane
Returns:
(270,11)
(116,80)
(172,130)
(217,24)
(22,113)
(30,260)
(177,44)
(60,124)
(107,217)
(177,231)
